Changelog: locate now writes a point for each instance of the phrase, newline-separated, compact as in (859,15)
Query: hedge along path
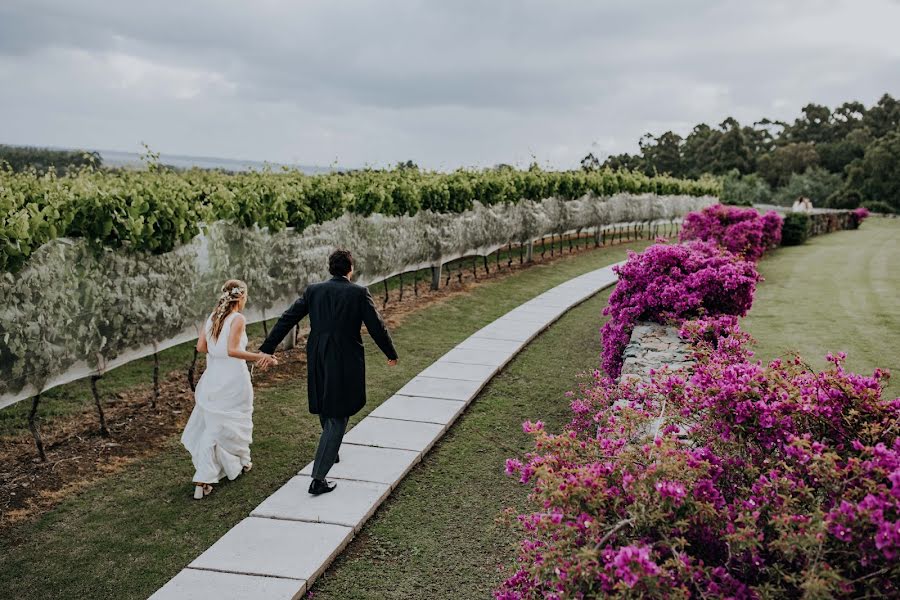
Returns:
(291,537)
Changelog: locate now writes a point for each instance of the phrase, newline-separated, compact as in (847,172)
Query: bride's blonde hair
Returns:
(233,291)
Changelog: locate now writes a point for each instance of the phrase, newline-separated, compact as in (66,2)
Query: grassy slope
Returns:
(838,292)
(437,536)
(130,533)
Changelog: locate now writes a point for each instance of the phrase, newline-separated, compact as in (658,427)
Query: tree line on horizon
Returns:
(839,158)
(22,158)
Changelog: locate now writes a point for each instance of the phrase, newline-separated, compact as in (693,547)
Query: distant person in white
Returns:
(802,204)
(220,430)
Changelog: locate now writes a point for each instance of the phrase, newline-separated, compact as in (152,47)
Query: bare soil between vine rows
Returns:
(78,456)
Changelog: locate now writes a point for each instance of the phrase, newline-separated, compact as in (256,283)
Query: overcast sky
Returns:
(445,83)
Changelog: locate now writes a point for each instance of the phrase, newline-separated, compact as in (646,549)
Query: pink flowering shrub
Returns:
(740,230)
(771,230)
(858,215)
(786,485)
(671,283)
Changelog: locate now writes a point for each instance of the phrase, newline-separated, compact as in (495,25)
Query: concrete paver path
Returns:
(291,538)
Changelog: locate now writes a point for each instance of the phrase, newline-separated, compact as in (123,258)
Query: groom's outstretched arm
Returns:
(376,327)
(288,320)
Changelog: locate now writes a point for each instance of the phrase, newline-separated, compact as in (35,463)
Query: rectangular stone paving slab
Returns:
(547,304)
(417,408)
(368,463)
(276,548)
(576,287)
(537,310)
(525,327)
(449,389)
(472,356)
(448,370)
(505,346)
(191,584)
(394,433)
(350,504)
(509,330)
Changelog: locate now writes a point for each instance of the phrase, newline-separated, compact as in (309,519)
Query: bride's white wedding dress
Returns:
(220,430)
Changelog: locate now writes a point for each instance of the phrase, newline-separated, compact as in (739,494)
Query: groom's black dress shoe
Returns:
(321,486)
(337,459)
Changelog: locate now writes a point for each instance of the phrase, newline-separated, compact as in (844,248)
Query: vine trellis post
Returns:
(35,432)
(155,397)
(436,277)
(104,430)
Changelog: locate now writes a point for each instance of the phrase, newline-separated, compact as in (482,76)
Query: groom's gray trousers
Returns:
(333,429)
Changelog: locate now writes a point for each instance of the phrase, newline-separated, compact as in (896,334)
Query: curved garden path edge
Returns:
(289,540)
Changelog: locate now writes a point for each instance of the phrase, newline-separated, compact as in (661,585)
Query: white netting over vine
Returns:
(73,310)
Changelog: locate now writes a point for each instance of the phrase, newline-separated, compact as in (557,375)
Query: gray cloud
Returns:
(446,84)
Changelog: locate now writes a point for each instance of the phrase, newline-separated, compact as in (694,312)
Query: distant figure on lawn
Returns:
(802,204)
(336,366)
(220,430)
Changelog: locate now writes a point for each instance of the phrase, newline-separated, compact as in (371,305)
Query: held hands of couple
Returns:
(266,361)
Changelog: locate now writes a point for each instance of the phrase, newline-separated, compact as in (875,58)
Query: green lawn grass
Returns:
(128,534)
(838,292)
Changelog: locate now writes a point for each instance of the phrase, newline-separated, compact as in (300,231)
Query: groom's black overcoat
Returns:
(336,360)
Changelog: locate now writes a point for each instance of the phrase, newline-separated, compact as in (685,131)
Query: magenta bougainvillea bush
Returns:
(674,282)
(741,230)
(762,481)
(859,215)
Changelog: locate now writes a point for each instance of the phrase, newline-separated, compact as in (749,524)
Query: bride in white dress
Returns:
(220,429)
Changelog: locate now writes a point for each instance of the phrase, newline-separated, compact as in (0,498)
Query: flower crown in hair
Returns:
(232,294)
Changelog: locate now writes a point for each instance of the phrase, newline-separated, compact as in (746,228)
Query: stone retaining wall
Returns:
(821,220)
(652,347)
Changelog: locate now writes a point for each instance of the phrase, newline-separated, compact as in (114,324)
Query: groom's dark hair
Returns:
(340,263)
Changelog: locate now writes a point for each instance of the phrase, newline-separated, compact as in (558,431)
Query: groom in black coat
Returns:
(336,360)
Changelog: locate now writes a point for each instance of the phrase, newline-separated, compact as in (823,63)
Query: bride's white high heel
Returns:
(201,490)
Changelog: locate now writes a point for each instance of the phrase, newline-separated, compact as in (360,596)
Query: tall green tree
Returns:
(813,126)
(777,166)
(815,183)
(876,176)
(662,154)
(697,151)
(731,149)
(624,162)
(883,117)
